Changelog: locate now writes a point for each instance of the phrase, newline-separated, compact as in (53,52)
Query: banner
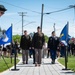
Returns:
(6,37)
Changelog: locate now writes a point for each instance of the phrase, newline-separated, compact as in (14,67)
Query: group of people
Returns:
(36,44)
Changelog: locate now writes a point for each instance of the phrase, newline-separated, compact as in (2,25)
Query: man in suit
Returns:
(25,45)
(2,10)
(37,43)
(53,43)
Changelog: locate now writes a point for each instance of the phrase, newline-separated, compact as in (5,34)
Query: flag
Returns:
(64,36)
(69,37)
(6,37)
(64,33)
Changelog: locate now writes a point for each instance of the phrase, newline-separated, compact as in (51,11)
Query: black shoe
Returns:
(33,62)
(26,62)
(35,65)
(53,62)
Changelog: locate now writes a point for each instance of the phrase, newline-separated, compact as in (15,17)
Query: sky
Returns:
(32,18)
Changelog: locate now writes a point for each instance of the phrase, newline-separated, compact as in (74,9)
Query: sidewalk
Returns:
(45,69)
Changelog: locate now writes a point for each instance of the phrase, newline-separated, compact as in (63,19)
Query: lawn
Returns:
(70,64)
(3,66)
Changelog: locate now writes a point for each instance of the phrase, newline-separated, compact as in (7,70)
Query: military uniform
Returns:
(53,43)
(38,42)
(25,44)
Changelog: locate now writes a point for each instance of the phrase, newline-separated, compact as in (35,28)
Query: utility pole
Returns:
(42,16)
(22,14)
(73,6)
(54,27)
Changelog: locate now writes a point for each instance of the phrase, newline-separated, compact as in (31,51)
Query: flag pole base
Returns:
(65,69)
(14,69)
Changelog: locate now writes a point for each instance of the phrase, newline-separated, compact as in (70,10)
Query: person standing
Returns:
(16,48)
(37,44)
(25,45)
(2,10)
(53,43)
(33,52)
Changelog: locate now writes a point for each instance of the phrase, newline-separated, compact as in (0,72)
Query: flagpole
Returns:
(11,43)
(67,40)
(66,48)
(15,69)
(67,44)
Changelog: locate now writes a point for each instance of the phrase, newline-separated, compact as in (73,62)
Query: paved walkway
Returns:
(45,69)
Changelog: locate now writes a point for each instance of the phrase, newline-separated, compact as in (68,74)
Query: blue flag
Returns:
(64,33)
(6,37)
(64,36)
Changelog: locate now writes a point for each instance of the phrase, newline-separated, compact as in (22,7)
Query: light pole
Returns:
(22,14)
(73,6)
(42,16)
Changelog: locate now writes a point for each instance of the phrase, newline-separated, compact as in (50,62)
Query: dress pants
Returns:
(33,56)
(25,56)
(53,54)
(38,56)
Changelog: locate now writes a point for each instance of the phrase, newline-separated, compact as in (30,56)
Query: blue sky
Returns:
(60,18)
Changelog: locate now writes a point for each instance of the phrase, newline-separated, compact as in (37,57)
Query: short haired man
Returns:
(38,42)
(53,43)
(25,45)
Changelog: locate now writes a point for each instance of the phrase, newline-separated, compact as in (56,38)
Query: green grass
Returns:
(3,66)
(19,55)
(70,64)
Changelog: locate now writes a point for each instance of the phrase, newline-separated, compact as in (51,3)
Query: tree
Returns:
(16,38)
(46,38)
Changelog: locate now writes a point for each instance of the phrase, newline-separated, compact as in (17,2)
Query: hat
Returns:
(2,8)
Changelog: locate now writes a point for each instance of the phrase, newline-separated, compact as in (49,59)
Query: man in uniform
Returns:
(53,43)
(25,45)
(37,43)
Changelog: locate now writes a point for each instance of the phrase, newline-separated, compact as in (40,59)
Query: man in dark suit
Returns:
(53,43)
(37,43)
(25,45)
(2,10)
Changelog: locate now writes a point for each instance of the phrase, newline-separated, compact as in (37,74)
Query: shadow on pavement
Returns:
(69,72)
(26,66)
(49,63)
